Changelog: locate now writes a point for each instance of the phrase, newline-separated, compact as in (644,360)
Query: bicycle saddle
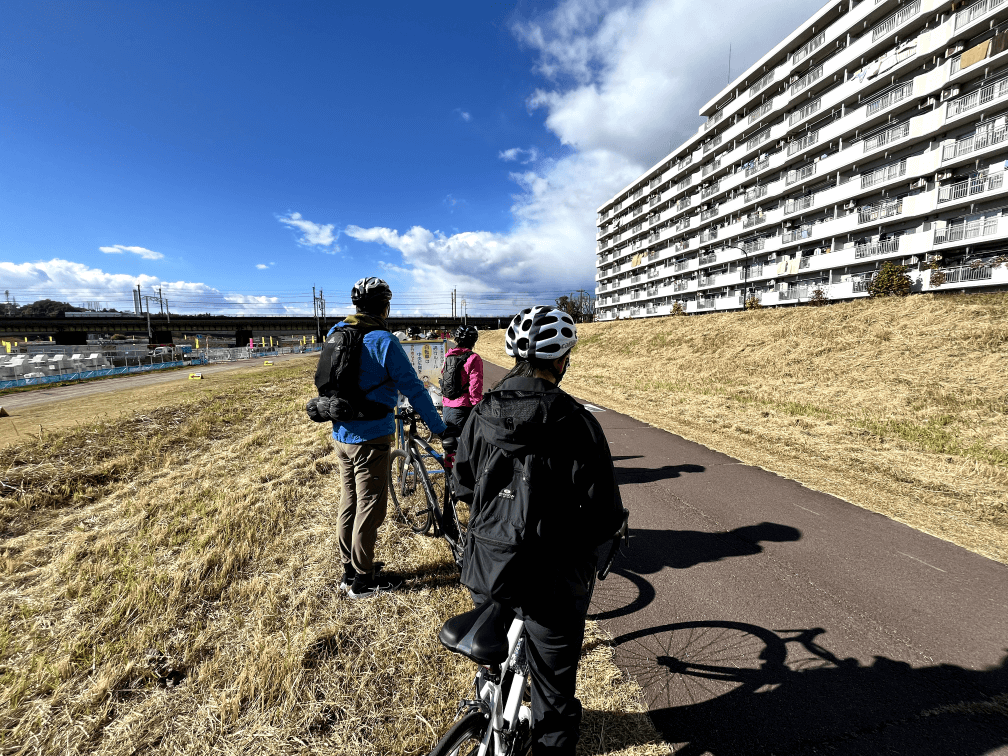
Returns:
(479,634)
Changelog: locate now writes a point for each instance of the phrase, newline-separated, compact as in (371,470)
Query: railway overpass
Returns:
(75,328)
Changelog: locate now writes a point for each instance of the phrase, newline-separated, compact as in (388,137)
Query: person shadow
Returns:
(627,589)
(726,688)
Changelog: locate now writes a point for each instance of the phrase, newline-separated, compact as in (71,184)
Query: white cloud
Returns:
(312,234)
(465,116)
(67,281)
(264,266)
(118,249)
(518,154)
(622,86)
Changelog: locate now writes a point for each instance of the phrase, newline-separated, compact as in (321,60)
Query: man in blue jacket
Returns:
(363,447)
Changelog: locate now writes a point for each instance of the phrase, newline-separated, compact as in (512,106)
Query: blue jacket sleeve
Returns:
(409,385)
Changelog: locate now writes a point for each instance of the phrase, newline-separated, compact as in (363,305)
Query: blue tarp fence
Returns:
(83,375)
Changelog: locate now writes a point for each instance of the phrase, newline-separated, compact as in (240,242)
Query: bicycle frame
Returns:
(417,448)
(504,711)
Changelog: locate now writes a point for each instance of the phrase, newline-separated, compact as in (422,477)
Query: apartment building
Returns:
(875,132)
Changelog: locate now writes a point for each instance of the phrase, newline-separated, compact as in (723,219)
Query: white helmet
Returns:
(542,332)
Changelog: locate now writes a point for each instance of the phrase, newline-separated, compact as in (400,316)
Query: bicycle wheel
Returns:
(464,737)
(408,494)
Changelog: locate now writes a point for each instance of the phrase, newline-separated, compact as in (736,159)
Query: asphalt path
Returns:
(112,384)
(761,617)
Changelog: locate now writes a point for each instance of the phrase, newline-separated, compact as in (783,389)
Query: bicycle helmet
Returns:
(542,332)
(466,336)
(371,293)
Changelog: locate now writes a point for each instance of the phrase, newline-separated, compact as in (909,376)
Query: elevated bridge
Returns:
(239,328)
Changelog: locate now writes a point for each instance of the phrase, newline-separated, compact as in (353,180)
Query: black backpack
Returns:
(451,375)
(502,542)
(337,378)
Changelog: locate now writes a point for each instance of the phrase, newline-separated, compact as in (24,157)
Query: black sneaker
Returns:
(365,586)
(348,577)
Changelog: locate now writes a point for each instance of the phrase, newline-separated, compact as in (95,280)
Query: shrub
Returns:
(892,280)
(753,304)
(818,298)
(937,276)
(677,308)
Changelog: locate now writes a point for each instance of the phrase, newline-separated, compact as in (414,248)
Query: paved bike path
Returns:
(762,617)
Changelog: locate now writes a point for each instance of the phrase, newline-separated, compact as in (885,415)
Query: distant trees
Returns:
(892,280)
(45,308)
(580,305)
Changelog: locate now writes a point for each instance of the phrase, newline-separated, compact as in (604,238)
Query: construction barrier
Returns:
(84,375)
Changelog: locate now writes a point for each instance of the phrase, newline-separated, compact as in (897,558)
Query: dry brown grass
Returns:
(168,583)
(897,405)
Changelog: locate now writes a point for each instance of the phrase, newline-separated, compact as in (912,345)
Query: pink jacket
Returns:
(472,371)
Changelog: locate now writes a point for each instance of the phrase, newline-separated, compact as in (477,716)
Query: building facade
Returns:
(875,132)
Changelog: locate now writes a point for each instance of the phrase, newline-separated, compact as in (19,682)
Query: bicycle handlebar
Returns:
(618,538)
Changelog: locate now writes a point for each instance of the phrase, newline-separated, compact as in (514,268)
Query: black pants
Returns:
(553,654)
(455,418)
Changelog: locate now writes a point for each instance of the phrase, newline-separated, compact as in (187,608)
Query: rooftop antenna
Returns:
(729,62)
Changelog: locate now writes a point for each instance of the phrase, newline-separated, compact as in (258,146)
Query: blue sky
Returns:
(238,154)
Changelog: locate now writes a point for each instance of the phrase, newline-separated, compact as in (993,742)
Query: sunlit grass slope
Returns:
(897,405)
(168,584)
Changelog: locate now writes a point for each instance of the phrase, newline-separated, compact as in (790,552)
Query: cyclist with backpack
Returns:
(535,468)
(361,369)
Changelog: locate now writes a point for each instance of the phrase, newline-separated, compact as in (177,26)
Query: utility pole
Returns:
(160,300)
(167,309)
(150,333)
(453,303)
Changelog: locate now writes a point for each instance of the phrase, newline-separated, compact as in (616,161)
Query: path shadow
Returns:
(725,688)
(626,475)
(627,590)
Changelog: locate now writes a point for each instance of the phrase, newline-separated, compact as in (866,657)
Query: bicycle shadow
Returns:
(725,688)
(650,551)
(628,475)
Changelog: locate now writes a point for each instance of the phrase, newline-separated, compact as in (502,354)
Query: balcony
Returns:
(975,11)
(804,111)
(709,190)
(681,265)
(684,202)
(975,185)
(754,219)
(976,98)
(861,285)
(808,48)
(756,192)
(754,245)
(894,95)
(713,120)
(966,273)
(757,166)
(682,225)
(654,219)
(800,174)
(887,136)
(710,167)
(898,18)
(798,145)
(761,111)
(808,79)
(886,247)
(654,200)
(653,273)
(798,205)
(704,304)
(959,229)
(709,234)
(708,213)
(684,184)
(983,137)
(789,294)
(710,144)
(707,259)
(638,210)
(637,194)
(883,174)
(680,286)
(760,85)
(757,140)
(805,232)
(880,210)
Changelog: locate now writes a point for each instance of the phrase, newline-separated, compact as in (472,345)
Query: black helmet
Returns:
(371,294)
(466,335)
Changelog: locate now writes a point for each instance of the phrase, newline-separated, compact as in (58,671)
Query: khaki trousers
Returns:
(364,475)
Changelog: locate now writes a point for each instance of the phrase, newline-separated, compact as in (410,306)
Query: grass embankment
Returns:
(168,583)
(899,405)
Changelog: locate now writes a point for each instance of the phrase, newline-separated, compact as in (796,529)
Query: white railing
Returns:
(760,190)
(797,205)
(680,286)
(757,140)
(805,81)
(713,119)
(683,224)
(968,273)
(684,202)
(754,220)
(894,95)
(707,259)
(708,213)
(959,229)
(804,232)
(654,200)
(704,304)
(861,285)
(975,11)
(880,210)
(800,144)
(708,235)
(757,166)
(804,112)
(808,48)
(710,144)
(901,16)
(800,174)
(684,184)
(638,193)
(754,245)
(886,247)
(761,111)
(762,83)
(887,136)
(985,135)
(973,185)
(710,167)
(709,190)
(680,266)
(885,173)
(978,97)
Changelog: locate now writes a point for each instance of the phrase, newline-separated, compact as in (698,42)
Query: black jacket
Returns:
(582,509)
